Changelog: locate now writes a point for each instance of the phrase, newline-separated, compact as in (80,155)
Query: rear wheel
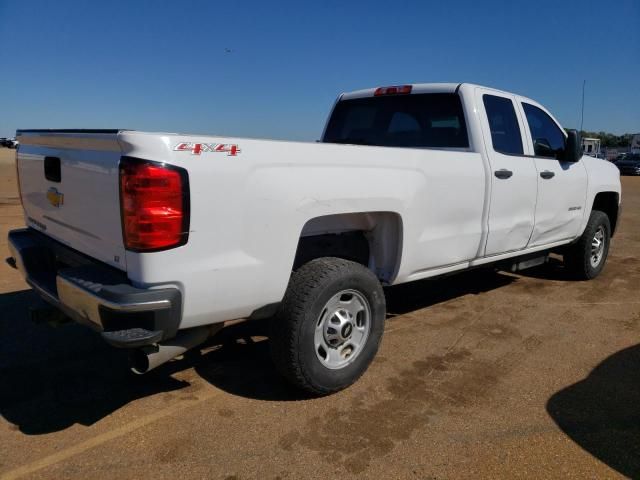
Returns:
(586,258)
(329,325)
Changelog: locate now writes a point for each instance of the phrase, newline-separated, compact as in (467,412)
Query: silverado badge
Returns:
(55,198)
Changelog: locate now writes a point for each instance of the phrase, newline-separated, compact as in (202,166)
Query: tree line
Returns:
(609,139)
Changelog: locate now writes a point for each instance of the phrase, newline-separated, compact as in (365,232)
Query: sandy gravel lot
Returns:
(481,375)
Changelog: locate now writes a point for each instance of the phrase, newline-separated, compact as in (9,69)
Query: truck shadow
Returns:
(412,296)
(602,412)
(52,378)
(237,360)
(553,270)
(240,363)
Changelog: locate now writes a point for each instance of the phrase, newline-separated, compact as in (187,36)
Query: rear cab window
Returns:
(505,132)
(422,120)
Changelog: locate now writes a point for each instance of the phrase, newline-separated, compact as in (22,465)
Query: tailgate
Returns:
(70,190)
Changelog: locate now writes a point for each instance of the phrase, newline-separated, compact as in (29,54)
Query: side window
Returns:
(505,132)
(548,139)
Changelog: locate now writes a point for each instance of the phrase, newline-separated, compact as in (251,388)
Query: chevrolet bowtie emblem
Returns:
(55,198)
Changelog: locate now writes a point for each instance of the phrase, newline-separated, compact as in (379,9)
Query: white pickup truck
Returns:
(158,239)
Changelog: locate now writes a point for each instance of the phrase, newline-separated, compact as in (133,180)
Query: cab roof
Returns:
(418,88)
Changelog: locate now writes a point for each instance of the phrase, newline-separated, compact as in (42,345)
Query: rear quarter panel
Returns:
(248,210)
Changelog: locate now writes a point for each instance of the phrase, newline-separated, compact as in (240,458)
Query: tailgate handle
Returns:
(52,169)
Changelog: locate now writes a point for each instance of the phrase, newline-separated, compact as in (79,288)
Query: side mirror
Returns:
(573,147)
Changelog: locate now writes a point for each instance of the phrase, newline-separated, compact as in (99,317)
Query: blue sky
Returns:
(164,66)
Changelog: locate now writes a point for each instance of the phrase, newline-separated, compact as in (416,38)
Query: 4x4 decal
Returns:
(197,148)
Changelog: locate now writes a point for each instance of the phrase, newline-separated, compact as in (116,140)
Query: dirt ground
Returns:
(480,375)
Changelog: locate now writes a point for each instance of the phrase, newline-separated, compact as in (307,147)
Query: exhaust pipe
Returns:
(147,358)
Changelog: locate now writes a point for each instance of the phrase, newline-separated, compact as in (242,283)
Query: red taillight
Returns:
(394,90)
(154,203)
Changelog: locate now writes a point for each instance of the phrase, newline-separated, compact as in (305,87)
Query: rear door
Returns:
(70,191)
(562,186)
(513,173)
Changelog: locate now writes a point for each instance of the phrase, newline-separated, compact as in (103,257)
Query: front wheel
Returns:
(586,258)
(329,325)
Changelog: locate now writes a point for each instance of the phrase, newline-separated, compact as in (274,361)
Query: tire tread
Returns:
(576,257)
(286,326)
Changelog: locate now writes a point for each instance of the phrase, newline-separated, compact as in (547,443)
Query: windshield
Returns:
(418,120)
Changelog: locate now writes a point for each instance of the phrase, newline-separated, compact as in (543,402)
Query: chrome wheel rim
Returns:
(342,329)
(597,247)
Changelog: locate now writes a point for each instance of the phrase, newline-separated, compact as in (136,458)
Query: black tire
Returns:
(577,257)
(293,328)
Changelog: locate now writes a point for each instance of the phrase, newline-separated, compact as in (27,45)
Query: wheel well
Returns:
(373,239)
(607,202)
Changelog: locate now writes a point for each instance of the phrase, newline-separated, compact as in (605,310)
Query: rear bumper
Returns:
(95,294)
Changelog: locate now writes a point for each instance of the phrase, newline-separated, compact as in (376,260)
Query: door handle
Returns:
(546,174)
(503,173)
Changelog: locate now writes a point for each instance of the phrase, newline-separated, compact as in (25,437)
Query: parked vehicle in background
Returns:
(157,239)
(9,142)
(620,157)
(630,165)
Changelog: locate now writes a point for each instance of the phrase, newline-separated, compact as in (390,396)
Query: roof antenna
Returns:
(582,112)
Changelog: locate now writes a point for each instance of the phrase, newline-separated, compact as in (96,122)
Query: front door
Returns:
(562,186)
(513,174)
